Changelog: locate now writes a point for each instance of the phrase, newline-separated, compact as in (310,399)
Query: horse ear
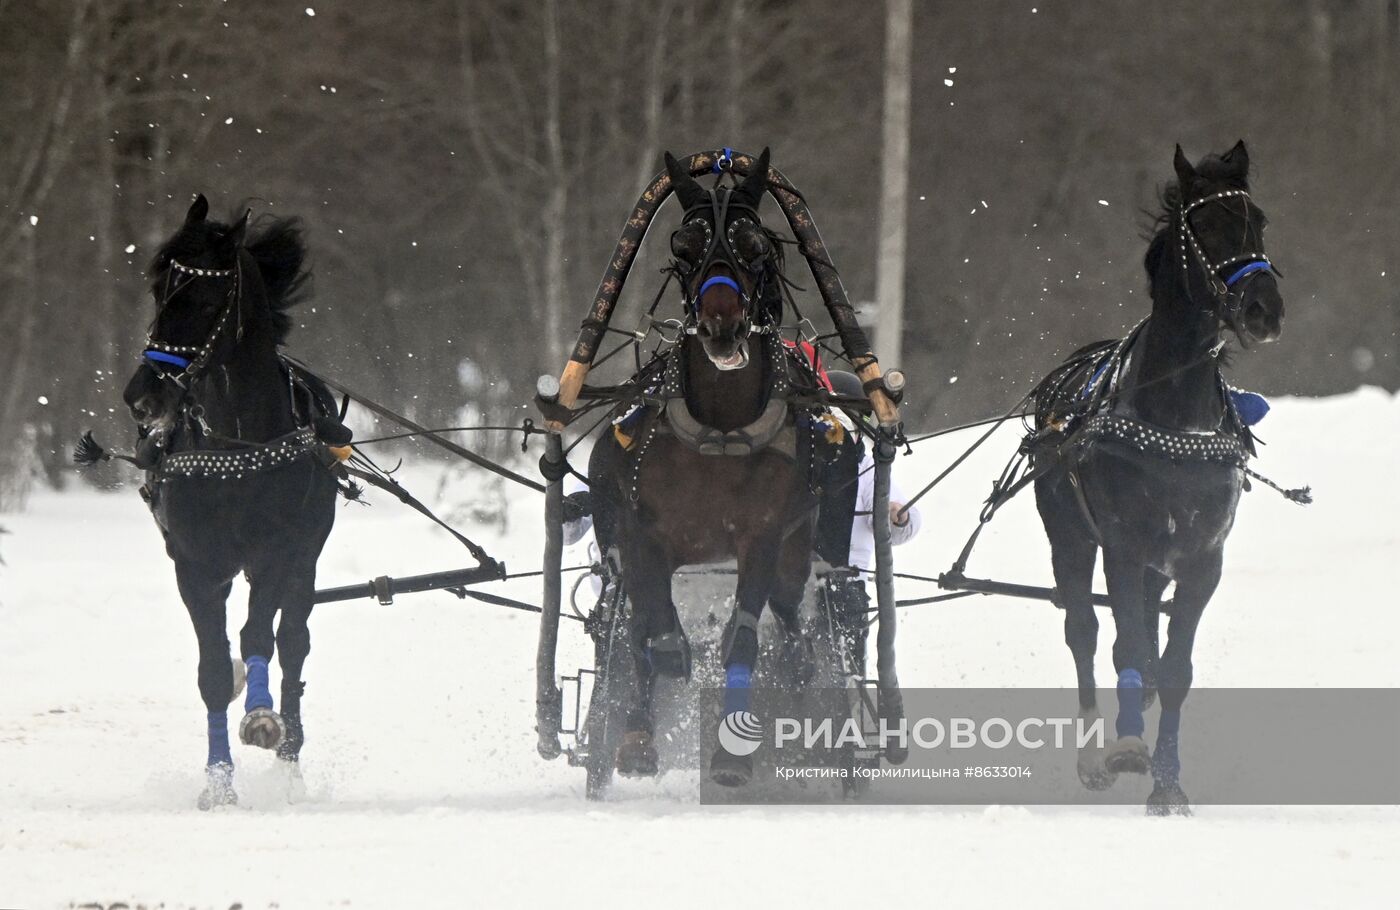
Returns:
(687,189)
(750,192)
(239,231)
(1185,173)
(1238,158)
(198,211)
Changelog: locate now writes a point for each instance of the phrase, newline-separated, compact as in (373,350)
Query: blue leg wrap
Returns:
(1129,704)
(736,688)
(259,696)
(1166,763)
(219,753)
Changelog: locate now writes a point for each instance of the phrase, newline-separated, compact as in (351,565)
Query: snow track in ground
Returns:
(425,789)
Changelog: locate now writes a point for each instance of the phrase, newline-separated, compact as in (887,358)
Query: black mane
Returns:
(277,245)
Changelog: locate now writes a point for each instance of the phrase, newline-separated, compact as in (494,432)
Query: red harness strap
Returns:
(813,360)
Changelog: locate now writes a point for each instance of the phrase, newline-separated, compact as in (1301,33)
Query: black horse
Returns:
(1143,454)
(711,474)
(238,480)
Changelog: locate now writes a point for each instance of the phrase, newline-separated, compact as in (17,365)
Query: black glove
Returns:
(331,430)
(578,505)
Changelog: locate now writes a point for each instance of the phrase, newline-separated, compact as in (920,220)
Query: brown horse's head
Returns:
(721,255)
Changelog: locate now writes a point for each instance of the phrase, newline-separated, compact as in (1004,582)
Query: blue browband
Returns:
(172,359)
(1247,269)
(718,280)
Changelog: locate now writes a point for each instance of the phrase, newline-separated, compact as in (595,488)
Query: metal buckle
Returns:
(675,327)
(197,415)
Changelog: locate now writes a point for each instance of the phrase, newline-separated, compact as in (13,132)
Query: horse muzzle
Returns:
(1260,315)
(150,411)
(736,359)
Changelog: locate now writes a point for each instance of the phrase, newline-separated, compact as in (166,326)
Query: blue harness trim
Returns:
(162,357)
(258,695)
(719,280)
(1251,406)
(728,155)
(1094,379)
(736,687)
(1129,703)
(1247,269)
(219,753)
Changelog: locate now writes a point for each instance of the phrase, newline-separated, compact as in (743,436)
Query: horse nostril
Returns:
(705,330)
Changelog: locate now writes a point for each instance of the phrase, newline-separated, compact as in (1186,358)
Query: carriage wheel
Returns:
(607,703)
(843,635)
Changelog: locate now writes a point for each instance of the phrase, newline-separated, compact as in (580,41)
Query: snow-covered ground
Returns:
(425,789)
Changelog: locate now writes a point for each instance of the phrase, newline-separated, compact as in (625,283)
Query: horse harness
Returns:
(238,458)
(1228,291)
(790,424)
(193,359)
(315,435)
(1095,415)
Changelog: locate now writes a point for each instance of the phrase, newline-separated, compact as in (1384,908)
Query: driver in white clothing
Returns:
(846,534)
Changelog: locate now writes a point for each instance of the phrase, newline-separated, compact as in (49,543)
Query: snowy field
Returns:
(425,789)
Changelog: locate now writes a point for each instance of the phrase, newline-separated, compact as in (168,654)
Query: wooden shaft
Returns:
(570,383)
(886,411)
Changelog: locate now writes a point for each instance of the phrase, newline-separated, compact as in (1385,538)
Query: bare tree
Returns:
(894,171)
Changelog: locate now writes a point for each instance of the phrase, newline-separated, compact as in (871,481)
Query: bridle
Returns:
(1229,291)
(721,245)
(182,363)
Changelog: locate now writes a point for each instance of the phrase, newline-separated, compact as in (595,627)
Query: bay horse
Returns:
(238,480)
(1152,473)
(705,478)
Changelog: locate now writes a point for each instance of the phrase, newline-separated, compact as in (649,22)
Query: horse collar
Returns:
(755,436)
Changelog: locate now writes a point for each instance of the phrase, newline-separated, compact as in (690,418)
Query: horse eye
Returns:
(750,242)
(689,242)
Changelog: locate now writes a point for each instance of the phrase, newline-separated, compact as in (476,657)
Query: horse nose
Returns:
(1263,321)
(142,409)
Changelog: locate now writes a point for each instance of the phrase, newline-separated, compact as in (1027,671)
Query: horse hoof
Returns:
(1168,799)
(669,655)
(730,770)
(218,788)
(262,727)
(293,738)
(1127,756)
(636,756)
(240,679)
(1092,773)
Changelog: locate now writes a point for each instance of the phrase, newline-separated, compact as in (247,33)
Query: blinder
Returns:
(698,243)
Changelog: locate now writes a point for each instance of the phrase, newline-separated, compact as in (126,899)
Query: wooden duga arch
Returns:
(804,230)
